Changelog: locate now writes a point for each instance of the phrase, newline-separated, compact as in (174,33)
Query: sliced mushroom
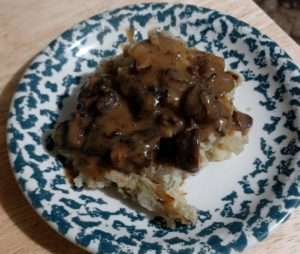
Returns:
(135,151)
(242,121)
(193,106)
(170,124)
(188,150)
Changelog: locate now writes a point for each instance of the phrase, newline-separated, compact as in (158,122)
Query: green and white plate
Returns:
(239,201)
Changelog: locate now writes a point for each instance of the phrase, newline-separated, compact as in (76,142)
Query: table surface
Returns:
(25,28)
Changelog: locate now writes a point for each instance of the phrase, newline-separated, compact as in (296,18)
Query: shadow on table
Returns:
(11,198)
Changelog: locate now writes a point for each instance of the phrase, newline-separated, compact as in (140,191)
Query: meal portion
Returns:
(148,118)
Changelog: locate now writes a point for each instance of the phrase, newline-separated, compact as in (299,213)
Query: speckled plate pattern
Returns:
(239,201)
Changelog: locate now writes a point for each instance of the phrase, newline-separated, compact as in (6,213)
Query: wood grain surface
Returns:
(26,26)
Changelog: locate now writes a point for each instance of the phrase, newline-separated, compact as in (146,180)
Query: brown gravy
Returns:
(153,104)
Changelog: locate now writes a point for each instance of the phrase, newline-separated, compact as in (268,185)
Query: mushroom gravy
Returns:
(153,104)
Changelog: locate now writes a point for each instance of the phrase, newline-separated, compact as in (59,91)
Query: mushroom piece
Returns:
(193,106)
(242,121)
(170,124)
(135,151)
(188,150)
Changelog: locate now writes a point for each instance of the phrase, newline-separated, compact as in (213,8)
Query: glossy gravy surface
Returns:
(153,104)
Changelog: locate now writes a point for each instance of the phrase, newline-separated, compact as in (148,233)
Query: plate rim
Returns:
(101,14)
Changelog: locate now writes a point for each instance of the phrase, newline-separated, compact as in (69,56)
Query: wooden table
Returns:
(25,28)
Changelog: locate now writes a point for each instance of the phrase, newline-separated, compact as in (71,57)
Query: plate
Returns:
(239,201)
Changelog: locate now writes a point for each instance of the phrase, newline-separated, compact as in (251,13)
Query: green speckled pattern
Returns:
(240,200)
